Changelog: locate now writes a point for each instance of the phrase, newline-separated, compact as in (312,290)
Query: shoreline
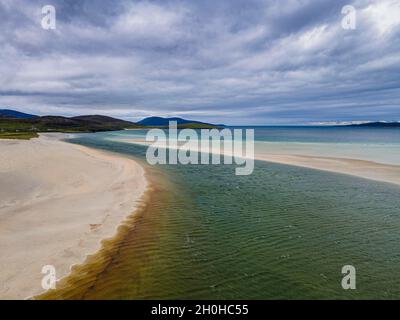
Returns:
(366,169)
(84,277)
(352,167)
(51,212)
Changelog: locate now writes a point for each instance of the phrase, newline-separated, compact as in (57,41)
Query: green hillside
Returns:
(14,126)
(28,128)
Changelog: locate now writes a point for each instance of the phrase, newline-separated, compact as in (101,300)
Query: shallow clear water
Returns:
(308,134)
(371,144)
(282,232)
(329,134)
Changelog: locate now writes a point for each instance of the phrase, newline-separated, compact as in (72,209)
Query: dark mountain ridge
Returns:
(63,124)
(377,125)
(164,122)
(8,113)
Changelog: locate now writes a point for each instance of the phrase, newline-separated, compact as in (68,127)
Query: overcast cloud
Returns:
(224,61)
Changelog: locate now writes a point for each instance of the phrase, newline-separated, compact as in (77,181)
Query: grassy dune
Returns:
(18,135)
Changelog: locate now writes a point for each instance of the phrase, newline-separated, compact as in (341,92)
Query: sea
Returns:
(283,232)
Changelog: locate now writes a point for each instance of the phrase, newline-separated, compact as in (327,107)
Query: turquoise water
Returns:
(329,135)
(281,233)
(307,134)
(370,144)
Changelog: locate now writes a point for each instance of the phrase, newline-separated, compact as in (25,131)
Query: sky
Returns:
(222,61)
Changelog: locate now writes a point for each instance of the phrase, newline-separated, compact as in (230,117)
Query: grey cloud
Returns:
(224,61)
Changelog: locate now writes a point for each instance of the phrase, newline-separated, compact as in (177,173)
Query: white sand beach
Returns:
(57,202)
(360,168)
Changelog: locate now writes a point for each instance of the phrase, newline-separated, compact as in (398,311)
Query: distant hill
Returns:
(377,125)
(18,125)
(164,122)
(105,120)
(7,113)
(29,127)
(81,124)
(91,123)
